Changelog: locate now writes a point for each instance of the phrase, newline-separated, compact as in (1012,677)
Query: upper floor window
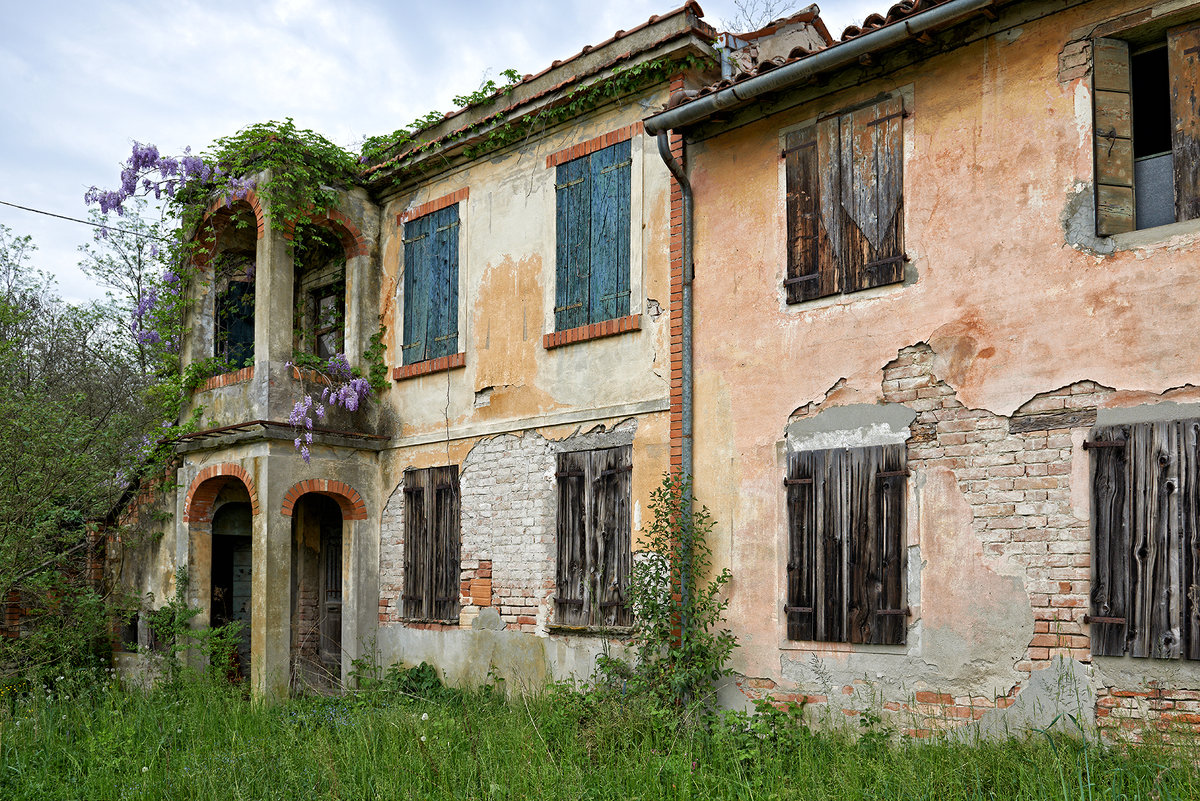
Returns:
(845,229)
(235,322)
(431,285)
(846,559)
(1147,130)
(1145,575)
(592,237)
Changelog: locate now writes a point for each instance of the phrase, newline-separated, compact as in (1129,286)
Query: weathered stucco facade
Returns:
(1014,331)
(985,337)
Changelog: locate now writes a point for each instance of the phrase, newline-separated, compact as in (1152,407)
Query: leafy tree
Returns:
(71,418)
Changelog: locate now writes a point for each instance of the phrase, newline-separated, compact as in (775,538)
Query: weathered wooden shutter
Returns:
(1112,111)
(1110,541)
(330,647)
(846,557)
(609,538)
(572,243)
(800,609)
(872,194)
(1183,62)
(418,247)
(877,609)
(812,270)
(417,543)
(608,296)
(1146,501)
(571,567)
(442,317)
(444,564)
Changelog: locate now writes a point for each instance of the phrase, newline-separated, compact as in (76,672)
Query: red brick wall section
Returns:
(600,142)
(227,379)
(204,488)
(217,217)
(347,497)
(676,300)
(605,328)
(438,204)
(353,242)
(438,365)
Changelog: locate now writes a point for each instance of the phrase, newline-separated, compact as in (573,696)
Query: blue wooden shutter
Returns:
(609,290)
(416,288)
(572,244)
(442,318)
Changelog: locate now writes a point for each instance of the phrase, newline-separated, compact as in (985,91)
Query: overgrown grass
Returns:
(420,741)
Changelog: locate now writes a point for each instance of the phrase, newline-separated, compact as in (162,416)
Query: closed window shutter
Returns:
(572,244)
(608,295)
(802,545)
(571,563)
(811,266)
(1183,62)
(878,567)
(442,317)
(872,165)
(417,255)
(1113,125)
(418,544)
(444,564)
(609,539)
(846,557)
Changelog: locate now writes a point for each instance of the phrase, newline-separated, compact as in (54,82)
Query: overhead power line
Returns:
(141,234)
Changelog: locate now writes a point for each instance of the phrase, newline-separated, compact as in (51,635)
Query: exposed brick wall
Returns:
(1015,475)
(506,487)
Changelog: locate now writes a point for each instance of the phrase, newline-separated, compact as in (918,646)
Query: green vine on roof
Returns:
(623,81)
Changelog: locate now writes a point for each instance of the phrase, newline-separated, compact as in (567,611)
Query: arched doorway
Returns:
(231,579)
(220,509)
(317,570)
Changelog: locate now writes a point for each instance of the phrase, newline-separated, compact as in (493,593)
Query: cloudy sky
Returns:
(83,79)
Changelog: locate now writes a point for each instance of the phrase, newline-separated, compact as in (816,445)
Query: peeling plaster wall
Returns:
(1010,306)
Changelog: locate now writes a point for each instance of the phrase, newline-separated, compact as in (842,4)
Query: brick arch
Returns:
(353,242)
(204,488)
(346,496)
(219,215)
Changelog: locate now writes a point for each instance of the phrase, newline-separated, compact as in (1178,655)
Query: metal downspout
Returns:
(664,150)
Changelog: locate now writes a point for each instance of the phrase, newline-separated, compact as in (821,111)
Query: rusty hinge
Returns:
(790,482)
(1101,619)
(569,474)
(1113,443)
(570,183)
(905,611)
(888,473)
(784,153)
(568,601)
(888,260)
(903,114)
(803,610)
(627,468)
(800,279)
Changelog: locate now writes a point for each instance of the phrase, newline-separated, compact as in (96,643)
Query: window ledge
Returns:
(427,624)
(1148,237)
(438,365)
(616,632)
(227,379)
(605,328)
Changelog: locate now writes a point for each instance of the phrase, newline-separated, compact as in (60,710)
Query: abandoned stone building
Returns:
(913,305)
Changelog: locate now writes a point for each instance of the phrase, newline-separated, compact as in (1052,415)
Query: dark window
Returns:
(845,222)
(328,304)
(235,324)
(592,238)
(431,286)
(846,560)
(593,539)
(431,544)
(1146,526)
(1147,127)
